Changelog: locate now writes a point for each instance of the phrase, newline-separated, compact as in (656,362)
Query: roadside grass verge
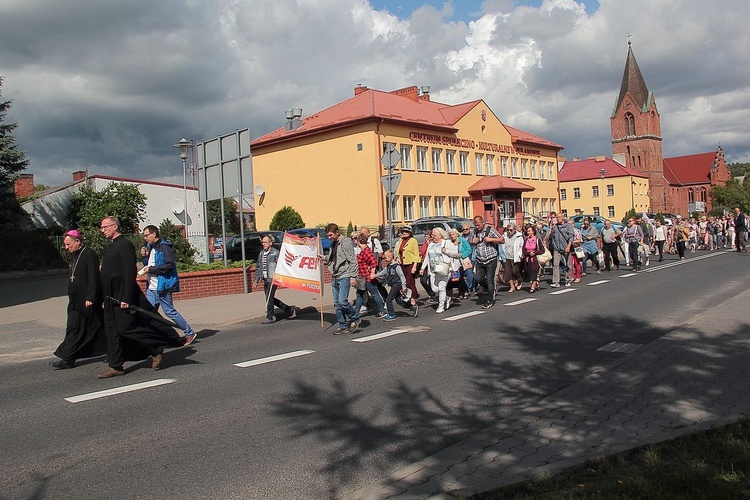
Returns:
(711,464)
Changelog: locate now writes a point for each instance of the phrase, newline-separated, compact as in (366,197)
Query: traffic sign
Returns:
(391,157)
(395,179)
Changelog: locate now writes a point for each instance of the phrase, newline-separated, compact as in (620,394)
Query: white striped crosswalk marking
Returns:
(119,390)
(271,359)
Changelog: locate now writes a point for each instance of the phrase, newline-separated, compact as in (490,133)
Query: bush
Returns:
(35,250)
(285,219)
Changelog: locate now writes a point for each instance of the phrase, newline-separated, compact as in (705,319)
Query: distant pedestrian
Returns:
(84,331)
(264,271)
(740,230)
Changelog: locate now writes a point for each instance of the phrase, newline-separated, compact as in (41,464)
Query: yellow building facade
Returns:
(328,165)
(602,186)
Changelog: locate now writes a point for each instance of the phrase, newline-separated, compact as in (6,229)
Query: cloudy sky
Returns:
(111,85)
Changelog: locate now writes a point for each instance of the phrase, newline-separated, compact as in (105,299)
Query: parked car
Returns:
(421,226)
(668,218)
(311,232)
(596,221)
(252,244)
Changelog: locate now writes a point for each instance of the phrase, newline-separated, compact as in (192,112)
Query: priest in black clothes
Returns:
(130,336)
(84,332)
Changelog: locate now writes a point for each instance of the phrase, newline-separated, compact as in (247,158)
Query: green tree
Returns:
(12,162)
(739,169)
(183,252)
(231,217)
(88,207)
(630,213)
(285,219)
(734,194)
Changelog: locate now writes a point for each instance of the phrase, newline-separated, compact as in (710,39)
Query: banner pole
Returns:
(322,281)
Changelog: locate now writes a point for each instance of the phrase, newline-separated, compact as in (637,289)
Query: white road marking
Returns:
(628,275)
(119,390)
(600,282)
(380,335)
(519,302)
(565,290)
(464,315)
(271,359)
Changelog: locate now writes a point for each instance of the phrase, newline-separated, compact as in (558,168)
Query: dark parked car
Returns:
(252,244)
(311,232)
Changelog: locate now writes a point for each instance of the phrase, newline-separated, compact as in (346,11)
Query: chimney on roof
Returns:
(293,119)
(359,89)
(575,158)
(79,175)
(24,185)
(600,158)
(425,92)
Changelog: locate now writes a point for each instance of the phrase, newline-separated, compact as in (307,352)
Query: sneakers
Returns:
(648,262)
(354,325)
(439,310)
(490,304)
(189,339)
(364,310)
(414,310)
(266,321)
(381,314)
(554,285)
(598,271)
(448,303)
(583,274)
(432,300)
(341,331)
(567,283)
(112,372)
(156,361)
(389,317)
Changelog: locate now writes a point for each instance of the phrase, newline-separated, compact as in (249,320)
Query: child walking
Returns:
(393,276)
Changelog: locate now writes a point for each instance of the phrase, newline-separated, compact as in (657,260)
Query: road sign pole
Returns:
(389,207)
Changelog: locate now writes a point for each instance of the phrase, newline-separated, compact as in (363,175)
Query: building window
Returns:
(386,144)
(466,207)
(629,124)
(490,164)
(564,213)
(437,154)
(439,206)
(533,169)
(514,167)
(576,193)
(525,168)
(551,170)
(394,208)
(610,189)
(424,206)
(463,159)
(542,170)
(595,191)
(421,159)
(704,198)
(408,208)
(453,206)
(552,205)
(610,211)
(596,210)
(478,163)
(504,166)
(450,161)
(406,157)
(691,195)
(535,206)
(563,194)
(544,207)
(525,203)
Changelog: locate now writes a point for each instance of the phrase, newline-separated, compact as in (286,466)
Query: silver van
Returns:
(421,226)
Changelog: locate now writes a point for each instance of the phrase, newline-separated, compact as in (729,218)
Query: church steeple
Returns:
(633,84)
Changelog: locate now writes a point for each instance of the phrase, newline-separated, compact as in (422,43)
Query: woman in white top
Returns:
(660,237)
(439,266)
(513,248)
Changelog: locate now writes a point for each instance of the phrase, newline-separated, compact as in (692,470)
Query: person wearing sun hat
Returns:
(407,250)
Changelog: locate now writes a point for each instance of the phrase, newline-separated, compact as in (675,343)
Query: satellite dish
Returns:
(178,206)
(260,190)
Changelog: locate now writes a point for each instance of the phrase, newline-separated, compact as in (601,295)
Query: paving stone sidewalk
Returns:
(694,377)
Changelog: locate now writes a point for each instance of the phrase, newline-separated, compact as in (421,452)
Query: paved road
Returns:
(325,423)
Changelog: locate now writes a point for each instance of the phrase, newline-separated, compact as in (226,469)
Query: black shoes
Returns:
(62,365)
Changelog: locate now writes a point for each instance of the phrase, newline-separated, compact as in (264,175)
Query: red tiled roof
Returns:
(690,169)
(492,183)
(580,170)
(400,106)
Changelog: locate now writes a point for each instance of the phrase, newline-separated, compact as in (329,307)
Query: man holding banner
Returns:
(265,269)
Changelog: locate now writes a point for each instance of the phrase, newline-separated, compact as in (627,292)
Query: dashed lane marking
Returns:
(464,315)
(600,282)
(519,302)
(628,275)
(271,359)
(565,290)
(381,335)
(119,390)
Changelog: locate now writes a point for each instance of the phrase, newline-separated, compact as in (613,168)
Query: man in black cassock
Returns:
(84,332)
(130,336)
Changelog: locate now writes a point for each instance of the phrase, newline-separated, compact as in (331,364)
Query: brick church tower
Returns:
(636,133)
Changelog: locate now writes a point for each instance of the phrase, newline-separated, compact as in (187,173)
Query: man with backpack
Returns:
(486,239)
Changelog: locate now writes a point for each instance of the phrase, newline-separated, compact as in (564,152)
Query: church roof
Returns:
(581,170)
(690,169)
(633,84)
(404,106)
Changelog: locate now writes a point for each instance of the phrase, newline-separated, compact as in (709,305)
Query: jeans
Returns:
(594,258)
(165,300)
(485,277)
(470,281)
(362,297)
(340,289)
(633,252)
(271,300)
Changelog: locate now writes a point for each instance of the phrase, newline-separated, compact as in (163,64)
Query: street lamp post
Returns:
(602,173)
(184,145)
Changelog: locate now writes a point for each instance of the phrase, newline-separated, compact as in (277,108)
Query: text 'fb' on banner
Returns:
(298,266)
